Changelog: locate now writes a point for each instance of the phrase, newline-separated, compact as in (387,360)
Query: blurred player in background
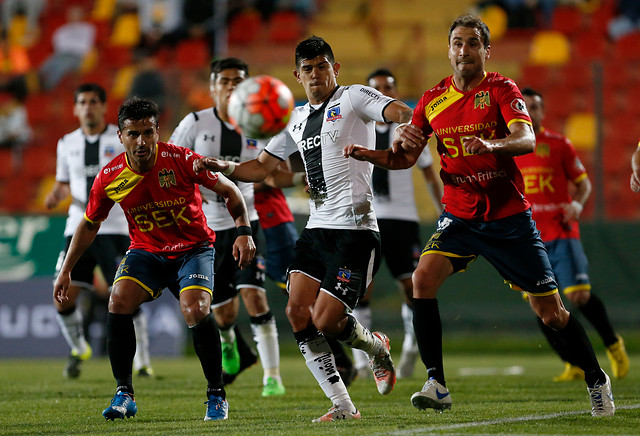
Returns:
(481,123)
(171,247)
(549,173)
(338,252)
(635,170)
(210,133)
(81,155)
(395,207)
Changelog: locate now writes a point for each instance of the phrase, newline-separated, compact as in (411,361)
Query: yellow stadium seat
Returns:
(126,31)
(496,19)
(582,130)
(549,48)
(122,81)
(103,10)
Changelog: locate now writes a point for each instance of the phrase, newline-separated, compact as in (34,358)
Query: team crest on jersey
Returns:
(109,151)
(481,100)
(344,275)
(519,105)
(333,114)
(252,144)
(166,178)
(542,149)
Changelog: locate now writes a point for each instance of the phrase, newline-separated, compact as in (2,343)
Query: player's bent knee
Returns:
(555,320)
(424,285)
(298,316)
(579,298)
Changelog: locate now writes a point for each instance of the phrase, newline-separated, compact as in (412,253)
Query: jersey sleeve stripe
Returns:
(271,154)
(384,109)
(91,221)
(580,178)
(518,120)
(122,185)
(441,102)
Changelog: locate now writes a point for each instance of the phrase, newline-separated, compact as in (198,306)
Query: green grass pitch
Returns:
(495,390)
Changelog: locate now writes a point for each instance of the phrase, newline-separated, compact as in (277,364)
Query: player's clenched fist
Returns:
(408,136)
(209,163)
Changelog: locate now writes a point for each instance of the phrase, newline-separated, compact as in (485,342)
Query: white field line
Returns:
(423,430)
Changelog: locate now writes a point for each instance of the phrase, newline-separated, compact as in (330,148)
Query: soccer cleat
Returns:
(432,396)
(246,360)
(145,371)
(336,414)
(382,366)
(230,358)
(602,399)
(617,355)
(273,388)
(122,405)
(570,373)
(217,408)
(407,363)
(72,368)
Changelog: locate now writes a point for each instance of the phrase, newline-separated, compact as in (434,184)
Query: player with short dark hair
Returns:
(481,123)
(80,155)
(338,252)
(394,203)
(171,247)
(548,173)
(209,132)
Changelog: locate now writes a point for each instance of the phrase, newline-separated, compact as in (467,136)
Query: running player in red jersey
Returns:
(171,247)
(548,172)
(481,123)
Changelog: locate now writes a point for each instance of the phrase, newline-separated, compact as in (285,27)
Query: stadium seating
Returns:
(549,48)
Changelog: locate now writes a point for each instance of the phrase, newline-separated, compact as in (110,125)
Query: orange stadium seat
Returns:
(244,27)
(192,54)
(6,163)
(567,19)
(126,30)
(285,27)
(627,48)
(590,47)
(39,161)
(539,77)
(116,56)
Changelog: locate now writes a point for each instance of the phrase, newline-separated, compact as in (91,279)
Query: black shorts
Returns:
(106,251)
(342,261)
(512,245)
(229,278)
(401,246)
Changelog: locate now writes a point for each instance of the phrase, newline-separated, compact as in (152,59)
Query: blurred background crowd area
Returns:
(582,55)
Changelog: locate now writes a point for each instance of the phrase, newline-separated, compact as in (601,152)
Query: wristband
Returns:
(244,231)
(231,168)
(578,206)
(298,179)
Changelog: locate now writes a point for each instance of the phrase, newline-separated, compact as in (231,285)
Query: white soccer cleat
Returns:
(602,399)
(382,366)
(432,396)
(336,414)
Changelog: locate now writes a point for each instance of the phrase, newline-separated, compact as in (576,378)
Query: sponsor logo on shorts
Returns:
(444,223)
(198,276)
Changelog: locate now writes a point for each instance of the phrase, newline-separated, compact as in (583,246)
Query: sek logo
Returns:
(198,276)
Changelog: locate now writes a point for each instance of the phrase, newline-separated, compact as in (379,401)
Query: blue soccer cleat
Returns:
(122,405)
(217,408)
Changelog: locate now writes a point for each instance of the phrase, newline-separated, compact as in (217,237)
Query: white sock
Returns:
(71,327)
(322,364)
(266,337)
(228,336)
(409,343)
(142,358)
(362,339)
(363,315)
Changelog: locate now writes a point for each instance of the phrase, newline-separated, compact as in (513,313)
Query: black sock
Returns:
(121,346)
(555,341)
(428,330)
(206,342)
(579,350)
(596,313)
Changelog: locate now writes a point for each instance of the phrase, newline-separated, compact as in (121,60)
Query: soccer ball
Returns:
(260,106)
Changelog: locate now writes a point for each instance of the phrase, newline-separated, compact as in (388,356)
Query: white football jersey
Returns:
(393,194)
(205,133)
(79,159)
(340,189)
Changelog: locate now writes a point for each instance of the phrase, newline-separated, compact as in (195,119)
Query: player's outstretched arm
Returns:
(635,171)
(244,249)
(522,140)
(255,170)
(58,193)
(82,238)
(389,159)
(435,188)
